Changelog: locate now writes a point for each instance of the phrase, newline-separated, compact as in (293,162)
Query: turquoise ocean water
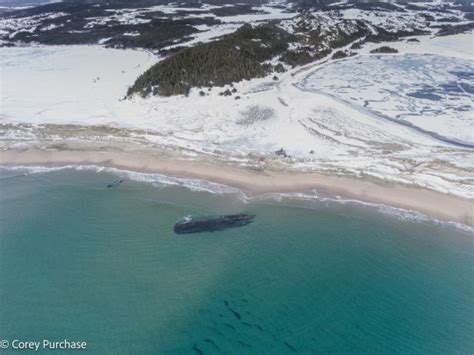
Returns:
(82,262)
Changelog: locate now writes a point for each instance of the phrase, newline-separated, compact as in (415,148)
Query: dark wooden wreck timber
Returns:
(211,224)
(115,183)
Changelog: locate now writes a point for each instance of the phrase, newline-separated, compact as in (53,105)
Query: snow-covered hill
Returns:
(165,26)
(48,91)
(403,117)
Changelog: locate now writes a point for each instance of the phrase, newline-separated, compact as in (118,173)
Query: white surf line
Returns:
(201,185)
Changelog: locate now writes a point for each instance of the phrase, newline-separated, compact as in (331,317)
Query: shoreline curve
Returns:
(445,207)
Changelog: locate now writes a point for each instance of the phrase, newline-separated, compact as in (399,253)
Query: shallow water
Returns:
(83,262)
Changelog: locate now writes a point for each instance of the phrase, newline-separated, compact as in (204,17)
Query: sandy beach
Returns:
(237,177)
(445,207)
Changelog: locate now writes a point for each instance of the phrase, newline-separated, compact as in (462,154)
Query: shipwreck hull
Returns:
(212,224)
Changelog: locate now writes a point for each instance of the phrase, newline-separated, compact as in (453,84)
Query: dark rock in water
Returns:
(244,344)
(197,350)
(115,183)
(235,313)
(210,224)
(207,340)
(289,346)
(229,326)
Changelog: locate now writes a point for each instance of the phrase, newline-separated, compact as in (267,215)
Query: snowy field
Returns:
(74,84)
(85,85)
(432,92)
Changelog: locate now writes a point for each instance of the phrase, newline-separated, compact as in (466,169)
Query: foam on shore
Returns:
(160,180)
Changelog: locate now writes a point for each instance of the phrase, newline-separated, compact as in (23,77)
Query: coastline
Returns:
(319,132)
(445,207)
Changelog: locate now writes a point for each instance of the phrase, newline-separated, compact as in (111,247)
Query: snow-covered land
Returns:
(73,84)
(431,92)
(86,85)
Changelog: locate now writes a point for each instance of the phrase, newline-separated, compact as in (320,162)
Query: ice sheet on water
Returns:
(432,92)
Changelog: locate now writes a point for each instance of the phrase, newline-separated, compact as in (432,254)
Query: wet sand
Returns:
(445,207)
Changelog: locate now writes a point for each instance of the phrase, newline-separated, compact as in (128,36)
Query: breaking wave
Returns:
(151,178)
(396,212)
(160,180)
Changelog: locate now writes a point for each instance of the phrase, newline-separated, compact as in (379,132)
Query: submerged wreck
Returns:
(212,223)
(115,183)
